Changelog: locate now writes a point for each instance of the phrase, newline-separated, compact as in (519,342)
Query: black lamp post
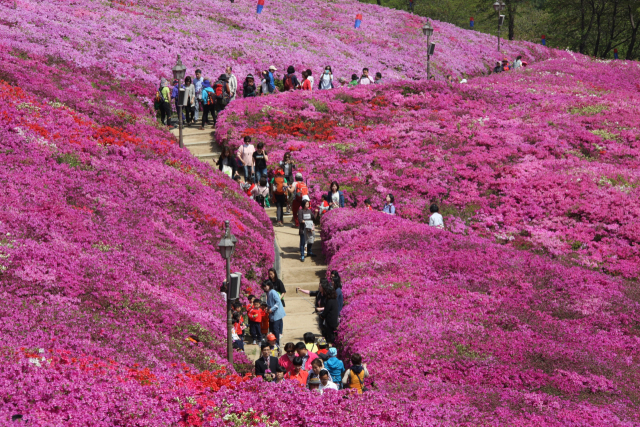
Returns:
(427,30)
(226,247)
(499,6)
(178,74)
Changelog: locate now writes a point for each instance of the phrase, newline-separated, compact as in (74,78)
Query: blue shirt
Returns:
(340,299)
(276,311)
(389,209)
(270,82)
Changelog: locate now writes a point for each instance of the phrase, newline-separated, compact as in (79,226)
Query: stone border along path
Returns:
(300,317)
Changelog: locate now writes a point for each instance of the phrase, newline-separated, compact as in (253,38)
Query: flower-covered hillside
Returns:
(137,41)
(505,337)
(108,251)
(545,158)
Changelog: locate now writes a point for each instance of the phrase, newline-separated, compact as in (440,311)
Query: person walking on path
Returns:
(233,83)
(245,157)
(165,102)
(198,87)
(278,286)
(365,79)
(297,373)
(435,220)
(208,100)
(266,362)
(325,381)
(189,104)
(259,161)
(330,314)
(326,80)
(249,89)
(227,163)
(318,295)
(290,81)
(276,310)
(298,190)
(335,367)
(280,195)
(389,208)
(260,192)
(336,282)
(286,360)
(354,376)
(307,227)
(223,93)
(255,321)
(307,356)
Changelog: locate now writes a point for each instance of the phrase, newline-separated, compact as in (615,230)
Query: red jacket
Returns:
(255,315)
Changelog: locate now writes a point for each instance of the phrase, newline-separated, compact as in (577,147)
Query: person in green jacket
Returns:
(354,80)
(165,102)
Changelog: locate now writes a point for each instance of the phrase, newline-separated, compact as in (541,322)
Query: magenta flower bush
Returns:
(108,252)
(137,42)
(503,336)
(543,159)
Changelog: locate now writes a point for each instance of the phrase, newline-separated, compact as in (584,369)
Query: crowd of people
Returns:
(506,66)
(204,96)
(314,362)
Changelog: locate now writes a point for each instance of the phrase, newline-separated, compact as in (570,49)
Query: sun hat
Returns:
(314,380)
(273,67)
(271,337)
(306,198)
(298,175)
(333,352)
(322,341)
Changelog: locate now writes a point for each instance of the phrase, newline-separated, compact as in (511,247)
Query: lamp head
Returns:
(427,29)
(179,70)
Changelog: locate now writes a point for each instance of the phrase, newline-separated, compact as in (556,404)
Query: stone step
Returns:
(208,156)
(198,148)
(193,130)
(309,274)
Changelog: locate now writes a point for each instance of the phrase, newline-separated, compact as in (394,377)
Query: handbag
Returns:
(227,170)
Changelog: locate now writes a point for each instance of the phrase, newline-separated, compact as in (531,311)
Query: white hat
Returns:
(306,199)
(273,67)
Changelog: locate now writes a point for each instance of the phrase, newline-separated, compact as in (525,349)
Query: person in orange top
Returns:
(255,321)
(264,324)
(298,373)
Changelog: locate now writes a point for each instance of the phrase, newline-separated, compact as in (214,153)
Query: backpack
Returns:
(159,100)
(301,189)
(211,100)
(278,185)
(259,199)
(218,88)
(288,82)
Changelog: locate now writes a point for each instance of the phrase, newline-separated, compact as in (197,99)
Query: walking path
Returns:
(200,142)
(300,316)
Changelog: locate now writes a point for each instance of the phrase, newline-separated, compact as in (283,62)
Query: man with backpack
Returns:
(280,194)
(162,102)
(290,81)
(222,96)
(208,100)
(298,189)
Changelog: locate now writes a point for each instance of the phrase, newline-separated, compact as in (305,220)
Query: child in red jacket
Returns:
(264,327)
(255,321)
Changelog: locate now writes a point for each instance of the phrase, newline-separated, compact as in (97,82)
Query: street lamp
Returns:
(226,246)
(178,74)
(427,30)
(499,6)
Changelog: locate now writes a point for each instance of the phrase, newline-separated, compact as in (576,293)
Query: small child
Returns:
(237,331)
(264,327)
(250,305)
(255,321)
(310,341)
(367,204)
(237,308)
(435,220)
(275,349)
(323,349)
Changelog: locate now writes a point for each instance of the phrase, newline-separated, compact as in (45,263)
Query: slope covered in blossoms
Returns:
(502,336)
(544,159)
(137,41)
(108,258)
